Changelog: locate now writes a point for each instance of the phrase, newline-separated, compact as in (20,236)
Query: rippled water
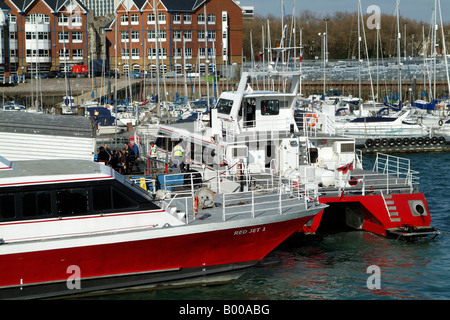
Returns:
(336,266)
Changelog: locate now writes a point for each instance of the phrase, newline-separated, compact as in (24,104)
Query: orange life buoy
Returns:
(311,122)
(239,170)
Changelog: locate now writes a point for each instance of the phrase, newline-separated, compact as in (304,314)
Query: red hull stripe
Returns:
(81,217)
(198,250)
(53,181)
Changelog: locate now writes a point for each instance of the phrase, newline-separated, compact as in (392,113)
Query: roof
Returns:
(54,5)
(38,123)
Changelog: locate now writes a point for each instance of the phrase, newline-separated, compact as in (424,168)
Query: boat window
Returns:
(224,106)
(270,107)
(7,207)
(121,201)
(71,202)
(36,204)
(102,198)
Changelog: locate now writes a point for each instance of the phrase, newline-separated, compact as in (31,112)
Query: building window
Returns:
(176,35)
(211,35)
(134,36)
(177,18)
(161,17)
(125,53)
(151,19)
(201,35)
(201,18)
(13,35)
(77,54)
(188,53)
(12,19)
(124,19)
(162,35)
(63,53)
(124,36)
(177,53)
(63,36)
(37,18)
(211,19)
(202,52)
(76,20)
(187,35)
(151,35)
(134,19)
(187,18)
(77,37)
(134,53)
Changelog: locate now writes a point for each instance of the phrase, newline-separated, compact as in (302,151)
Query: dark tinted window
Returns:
(36,204)
(121,201)
(7,207)
(72,202)
(102,198)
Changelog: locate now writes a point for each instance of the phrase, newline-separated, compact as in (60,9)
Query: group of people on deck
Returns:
(119,160)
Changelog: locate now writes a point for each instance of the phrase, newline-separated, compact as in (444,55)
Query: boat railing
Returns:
(381,131)
(397,167)
(256,202)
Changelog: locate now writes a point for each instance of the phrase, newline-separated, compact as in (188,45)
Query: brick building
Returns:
(44,35)
(189,34)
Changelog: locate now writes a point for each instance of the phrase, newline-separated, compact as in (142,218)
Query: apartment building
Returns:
(43,35)
(175,34)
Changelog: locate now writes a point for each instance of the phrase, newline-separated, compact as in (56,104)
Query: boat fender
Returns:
(420,141)
(384,142)
(406,141)
(391,142)
(413,141)
(442,140)
(434,140)
(399,142)
(427,140)
(369,143)
(376,142)
(440,123)
(195,205)
(353,181)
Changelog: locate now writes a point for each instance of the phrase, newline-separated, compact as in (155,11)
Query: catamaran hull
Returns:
(92,267)
(373,213)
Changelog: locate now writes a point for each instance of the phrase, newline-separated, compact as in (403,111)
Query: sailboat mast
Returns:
(399,53)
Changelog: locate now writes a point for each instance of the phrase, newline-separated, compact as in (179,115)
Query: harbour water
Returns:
(336,267)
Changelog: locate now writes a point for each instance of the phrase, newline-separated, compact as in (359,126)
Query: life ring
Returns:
(310,123)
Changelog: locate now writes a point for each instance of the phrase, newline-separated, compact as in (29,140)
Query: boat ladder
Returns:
(391,208)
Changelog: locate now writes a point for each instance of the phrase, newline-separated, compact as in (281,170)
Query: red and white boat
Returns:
(76,226)
(257,136)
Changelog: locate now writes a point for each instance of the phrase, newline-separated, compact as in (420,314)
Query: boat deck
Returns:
(242,206)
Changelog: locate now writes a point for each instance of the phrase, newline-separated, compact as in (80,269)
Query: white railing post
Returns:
(223,207)
(253,204)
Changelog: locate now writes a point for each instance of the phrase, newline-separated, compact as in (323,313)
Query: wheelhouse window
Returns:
(7,206)
(71,202)
(270,107)
(36,204)
(224,106)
